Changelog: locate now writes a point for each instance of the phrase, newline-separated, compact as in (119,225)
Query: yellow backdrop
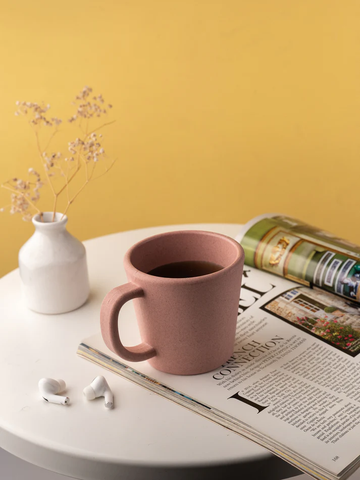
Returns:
(224,109)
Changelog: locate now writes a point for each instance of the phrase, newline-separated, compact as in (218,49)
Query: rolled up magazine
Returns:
(292,384)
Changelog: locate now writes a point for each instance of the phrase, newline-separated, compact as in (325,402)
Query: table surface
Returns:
(144,434)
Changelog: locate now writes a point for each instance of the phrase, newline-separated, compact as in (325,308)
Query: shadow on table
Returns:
(272,468)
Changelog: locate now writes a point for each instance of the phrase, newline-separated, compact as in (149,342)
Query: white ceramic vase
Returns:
(53,267)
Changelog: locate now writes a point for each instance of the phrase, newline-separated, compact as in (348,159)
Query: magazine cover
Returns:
(288,247)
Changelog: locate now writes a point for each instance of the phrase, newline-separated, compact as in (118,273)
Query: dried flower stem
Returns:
(67,181)
(65,175)
(73,198)
(106,170)
(84,185)
(54,208)
(101,126)
(88,176)
(50,139)
(42,161)
(79,191)
(2,209)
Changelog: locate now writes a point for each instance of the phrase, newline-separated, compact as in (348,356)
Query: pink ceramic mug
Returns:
(187,325)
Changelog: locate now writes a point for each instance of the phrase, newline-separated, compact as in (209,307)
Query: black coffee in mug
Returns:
(185,269)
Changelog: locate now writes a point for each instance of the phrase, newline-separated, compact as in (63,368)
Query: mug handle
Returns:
(109,314)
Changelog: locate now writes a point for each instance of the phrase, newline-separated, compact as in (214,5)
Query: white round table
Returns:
(145,436)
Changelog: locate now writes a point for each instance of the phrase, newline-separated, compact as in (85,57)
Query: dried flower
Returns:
(38,113)
(86,108)
(25,194)
(86,152)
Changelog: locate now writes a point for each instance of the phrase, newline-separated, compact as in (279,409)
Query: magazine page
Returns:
(290,248)
(293,381)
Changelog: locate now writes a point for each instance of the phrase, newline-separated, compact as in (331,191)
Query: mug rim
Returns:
(137,273)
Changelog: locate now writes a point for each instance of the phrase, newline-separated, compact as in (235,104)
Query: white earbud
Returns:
(49,389)
(100,388)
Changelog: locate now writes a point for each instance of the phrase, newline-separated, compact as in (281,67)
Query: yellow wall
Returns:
(225,109)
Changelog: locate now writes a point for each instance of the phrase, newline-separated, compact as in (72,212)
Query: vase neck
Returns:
(45,224)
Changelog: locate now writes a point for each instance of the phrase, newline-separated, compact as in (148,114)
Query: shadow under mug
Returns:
(187,325)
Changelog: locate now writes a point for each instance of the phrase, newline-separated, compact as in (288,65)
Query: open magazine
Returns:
(293,382)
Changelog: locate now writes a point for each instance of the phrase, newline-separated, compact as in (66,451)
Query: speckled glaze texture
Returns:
(53,268)
(187,325)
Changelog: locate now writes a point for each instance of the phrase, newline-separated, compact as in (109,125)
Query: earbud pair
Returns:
(49,389)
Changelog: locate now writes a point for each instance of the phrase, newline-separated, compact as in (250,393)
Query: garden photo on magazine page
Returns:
(330,318)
